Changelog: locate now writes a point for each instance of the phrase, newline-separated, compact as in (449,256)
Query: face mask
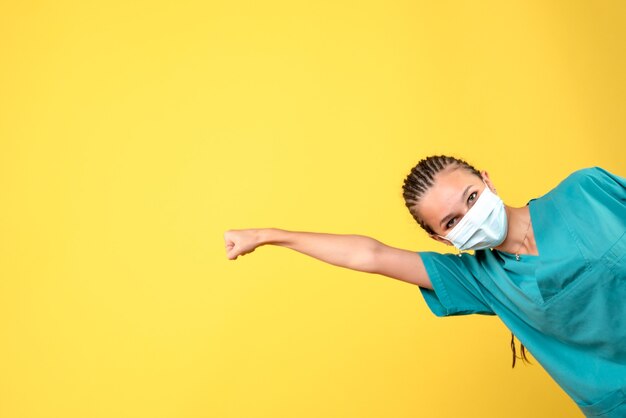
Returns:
(483,226)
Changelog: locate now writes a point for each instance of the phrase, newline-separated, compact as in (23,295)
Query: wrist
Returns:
(267,236)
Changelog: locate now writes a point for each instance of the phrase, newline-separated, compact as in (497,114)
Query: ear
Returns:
(487,180)
(439,239)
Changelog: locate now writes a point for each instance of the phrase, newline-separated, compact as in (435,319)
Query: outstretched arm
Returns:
(356,252)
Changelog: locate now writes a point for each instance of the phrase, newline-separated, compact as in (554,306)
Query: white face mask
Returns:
(483,226)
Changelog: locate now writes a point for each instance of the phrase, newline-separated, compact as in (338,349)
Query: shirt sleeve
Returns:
(455,290)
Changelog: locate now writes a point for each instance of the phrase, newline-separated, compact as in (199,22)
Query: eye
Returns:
(472,197)
(450,223)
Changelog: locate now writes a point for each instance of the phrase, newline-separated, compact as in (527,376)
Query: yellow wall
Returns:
(133,134)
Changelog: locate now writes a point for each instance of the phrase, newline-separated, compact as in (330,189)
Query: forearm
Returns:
(355,252)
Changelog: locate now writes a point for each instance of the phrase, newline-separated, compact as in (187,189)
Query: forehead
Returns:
(445,194)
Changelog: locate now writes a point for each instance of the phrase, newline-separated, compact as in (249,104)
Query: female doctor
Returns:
(554,271)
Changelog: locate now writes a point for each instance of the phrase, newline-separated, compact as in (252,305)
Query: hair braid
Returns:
(422,177)
(515,356)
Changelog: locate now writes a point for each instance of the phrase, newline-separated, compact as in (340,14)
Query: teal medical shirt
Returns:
(568,304)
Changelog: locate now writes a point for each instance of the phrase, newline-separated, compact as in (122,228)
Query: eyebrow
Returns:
(451,214)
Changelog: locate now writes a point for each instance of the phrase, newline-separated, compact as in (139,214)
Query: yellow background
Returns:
(133,134)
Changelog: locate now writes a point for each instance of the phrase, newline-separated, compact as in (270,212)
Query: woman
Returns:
(554,270)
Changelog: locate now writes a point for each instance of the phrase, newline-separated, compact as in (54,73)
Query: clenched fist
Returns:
(240,242)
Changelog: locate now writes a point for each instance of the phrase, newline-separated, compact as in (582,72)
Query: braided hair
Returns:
(422,177)
(419,181)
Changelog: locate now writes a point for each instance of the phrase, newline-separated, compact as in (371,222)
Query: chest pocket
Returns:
(573,273)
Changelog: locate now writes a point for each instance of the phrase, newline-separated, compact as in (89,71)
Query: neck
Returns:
(520,238)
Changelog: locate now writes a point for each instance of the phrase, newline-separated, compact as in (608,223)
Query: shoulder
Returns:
(585,194)
(585,175)
(588,180)
(589,195)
